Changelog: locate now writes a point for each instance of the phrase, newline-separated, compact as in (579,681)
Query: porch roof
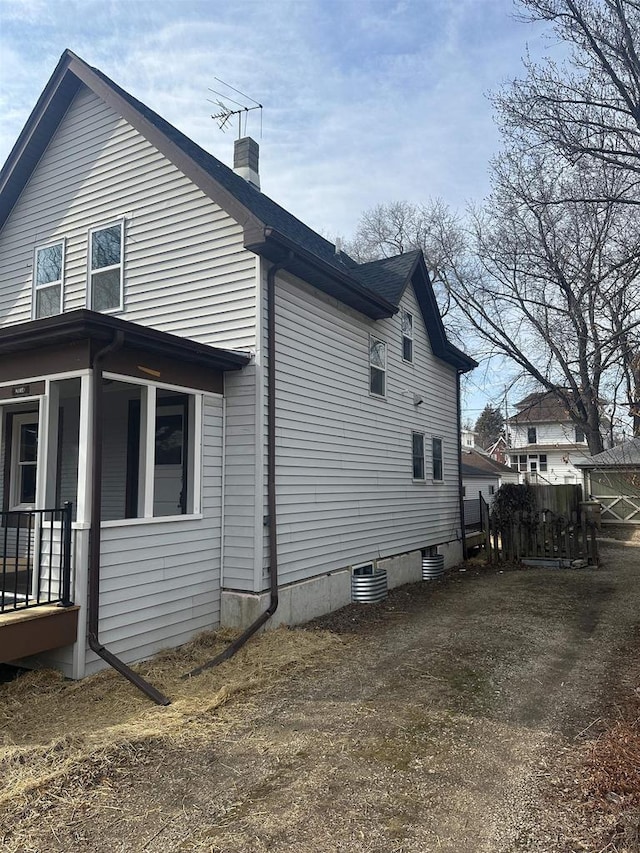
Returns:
(83,325)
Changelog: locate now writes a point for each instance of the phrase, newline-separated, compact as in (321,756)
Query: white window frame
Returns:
(37,287)
(440,479)
(535,432)
(195,431)
(404,336)
(422,479)
(375,340)
(14,479)
(90,271)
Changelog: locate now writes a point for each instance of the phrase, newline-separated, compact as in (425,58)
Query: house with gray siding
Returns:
(206,407)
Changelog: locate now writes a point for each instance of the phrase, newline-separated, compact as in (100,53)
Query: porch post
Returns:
(85,443)
(50,444)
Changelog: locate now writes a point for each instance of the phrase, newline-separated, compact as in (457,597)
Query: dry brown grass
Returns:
(58,737)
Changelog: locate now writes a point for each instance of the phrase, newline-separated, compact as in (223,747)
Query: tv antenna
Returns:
(226,113)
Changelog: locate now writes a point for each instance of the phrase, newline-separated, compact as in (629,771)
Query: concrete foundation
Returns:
(300,602)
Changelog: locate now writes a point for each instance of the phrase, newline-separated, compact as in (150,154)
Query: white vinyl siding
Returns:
(344,486)
(242,504)
(549,433)
(186,270)
(160,580)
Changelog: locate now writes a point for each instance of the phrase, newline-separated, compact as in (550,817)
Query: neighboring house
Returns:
(482,474)
(499,450)
(212,386)
(468,437)
(613,479)
(545,444)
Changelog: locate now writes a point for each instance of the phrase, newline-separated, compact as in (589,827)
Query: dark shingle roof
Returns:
(623,455)
(269,230)
(541,407)
(389,276)
(476,464)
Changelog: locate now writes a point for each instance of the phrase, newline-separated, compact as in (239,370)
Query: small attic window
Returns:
(106,268)
(406,320)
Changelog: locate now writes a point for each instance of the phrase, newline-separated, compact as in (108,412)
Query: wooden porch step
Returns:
(31,631)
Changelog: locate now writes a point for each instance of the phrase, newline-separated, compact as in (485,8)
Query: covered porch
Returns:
(145,481)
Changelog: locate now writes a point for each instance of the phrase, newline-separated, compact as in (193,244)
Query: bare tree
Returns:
(587,107)
(546,277)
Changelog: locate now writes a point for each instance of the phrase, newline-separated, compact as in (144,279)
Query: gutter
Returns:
(240,641)
(95,531)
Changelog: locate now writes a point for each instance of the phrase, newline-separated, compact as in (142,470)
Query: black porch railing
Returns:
(35,558)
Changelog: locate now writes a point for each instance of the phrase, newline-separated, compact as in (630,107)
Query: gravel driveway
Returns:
(436,727)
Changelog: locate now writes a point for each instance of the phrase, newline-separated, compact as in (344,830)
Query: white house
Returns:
(237,412)
(545,445)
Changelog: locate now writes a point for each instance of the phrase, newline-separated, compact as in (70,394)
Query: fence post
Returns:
(65,598)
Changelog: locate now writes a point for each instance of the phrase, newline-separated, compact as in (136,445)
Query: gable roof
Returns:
(269,230)
(542,407)
(476,464)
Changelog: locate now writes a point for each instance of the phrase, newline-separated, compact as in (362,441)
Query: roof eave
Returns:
(84,324)
(274,246)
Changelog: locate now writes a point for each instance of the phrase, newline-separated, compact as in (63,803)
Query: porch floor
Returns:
(31,631)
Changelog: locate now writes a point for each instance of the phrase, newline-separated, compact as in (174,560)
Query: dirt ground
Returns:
(456,717)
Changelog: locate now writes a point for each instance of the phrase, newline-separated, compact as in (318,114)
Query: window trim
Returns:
(404,337)
(535,435)
(195,432)
(35,287)
(90,272)
(434,439)
(415,457)
(579,430)
(373,339)
(20,419)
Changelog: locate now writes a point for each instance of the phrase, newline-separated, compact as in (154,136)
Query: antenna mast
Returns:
(224,116)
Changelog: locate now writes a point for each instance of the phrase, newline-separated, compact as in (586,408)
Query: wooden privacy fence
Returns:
(539,535)
(562,500)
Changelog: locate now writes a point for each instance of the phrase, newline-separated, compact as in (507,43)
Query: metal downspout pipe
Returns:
(237,644)
(95,532)
(460,488)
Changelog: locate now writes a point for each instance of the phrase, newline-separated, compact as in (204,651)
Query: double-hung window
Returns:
(417,449)
(579,435)
(48,277)
(377,367)
(532,435)
(436,449)
(106,267)
(406,320)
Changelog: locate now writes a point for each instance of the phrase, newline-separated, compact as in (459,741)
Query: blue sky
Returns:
(364,101)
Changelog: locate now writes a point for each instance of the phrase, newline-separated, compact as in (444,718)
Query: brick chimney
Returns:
(245,160)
